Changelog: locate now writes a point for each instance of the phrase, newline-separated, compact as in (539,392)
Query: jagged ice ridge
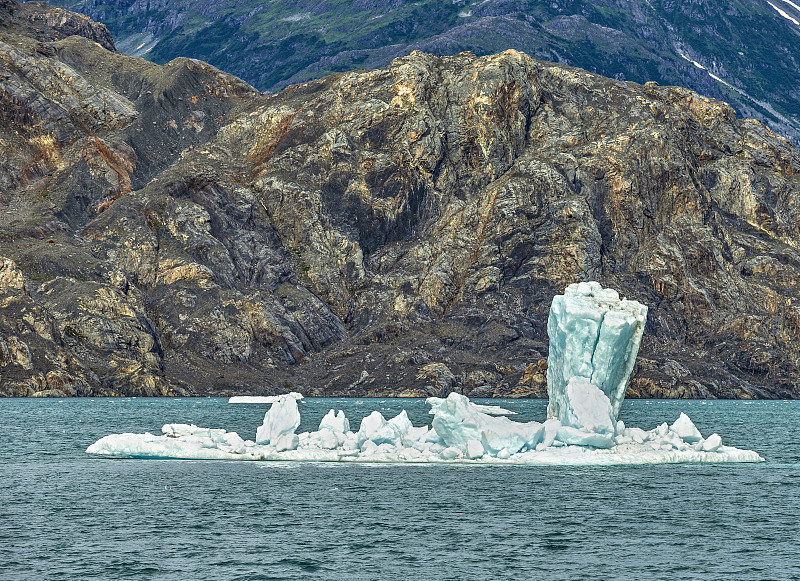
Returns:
(594,338)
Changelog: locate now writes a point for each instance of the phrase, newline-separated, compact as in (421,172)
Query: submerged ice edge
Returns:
(461,434)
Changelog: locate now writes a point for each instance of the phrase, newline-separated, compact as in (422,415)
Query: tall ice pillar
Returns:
(594,335)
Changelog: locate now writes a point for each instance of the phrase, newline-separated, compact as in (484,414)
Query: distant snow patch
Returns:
(138,44)
(710,74)
(785,14)
(771,110)
(297,17)
(695,63)
(716,78)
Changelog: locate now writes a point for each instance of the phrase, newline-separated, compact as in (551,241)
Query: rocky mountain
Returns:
(744,52)
(171,230)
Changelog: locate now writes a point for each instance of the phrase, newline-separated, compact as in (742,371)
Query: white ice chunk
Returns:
(375,428)
(175,430)
(586,407)
(287,442)
(493,410)
(712,443)
(450,453)
(574,437)
(686,430)
(660,430)
(419,435)
(594,335)
(281,419)
(188,446)
(325,439)
(368,447)
(335,422)
(350,441)
(637,434)
(457,421)
(263,398)
(474,449)
(232,442)
(551,428)
(402,423)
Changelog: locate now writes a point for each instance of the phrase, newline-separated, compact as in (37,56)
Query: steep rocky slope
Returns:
(168,229)
(744,52)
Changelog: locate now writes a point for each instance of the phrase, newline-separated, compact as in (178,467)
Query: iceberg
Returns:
(594,335)
(336,422)
(461,433)
(457,422)
(281,420)
(685,429)
(376,429)
(594,338)
(586,406)
(270,399)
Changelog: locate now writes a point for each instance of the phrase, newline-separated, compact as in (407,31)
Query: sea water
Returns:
(67,515)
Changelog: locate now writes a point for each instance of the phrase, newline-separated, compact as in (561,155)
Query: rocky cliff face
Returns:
(396,231)
(742,52)
(46,22)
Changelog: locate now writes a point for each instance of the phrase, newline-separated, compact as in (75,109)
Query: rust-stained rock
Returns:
(438,377)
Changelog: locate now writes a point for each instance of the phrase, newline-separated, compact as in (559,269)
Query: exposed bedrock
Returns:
(168,229)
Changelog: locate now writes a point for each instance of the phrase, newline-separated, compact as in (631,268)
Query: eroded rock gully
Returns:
(170,230)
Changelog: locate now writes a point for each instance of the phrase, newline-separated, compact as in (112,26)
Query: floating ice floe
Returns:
(494,410)
(594,338)
(263,398)
(460,433)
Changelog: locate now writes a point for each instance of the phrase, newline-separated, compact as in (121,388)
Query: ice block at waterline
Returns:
(594,335)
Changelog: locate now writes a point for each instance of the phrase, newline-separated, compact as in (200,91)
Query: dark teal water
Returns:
(65,515)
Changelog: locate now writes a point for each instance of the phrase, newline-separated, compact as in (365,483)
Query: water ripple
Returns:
(66,516)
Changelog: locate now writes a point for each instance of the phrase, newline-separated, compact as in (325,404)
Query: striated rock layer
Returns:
(170,230)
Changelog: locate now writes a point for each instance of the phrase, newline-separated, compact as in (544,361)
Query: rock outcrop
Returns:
(742,52)
(47,23)
(403,230)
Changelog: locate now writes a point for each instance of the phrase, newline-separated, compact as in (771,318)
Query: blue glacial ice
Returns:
(460,433)
(594,338)
(280,422)
(594,335)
